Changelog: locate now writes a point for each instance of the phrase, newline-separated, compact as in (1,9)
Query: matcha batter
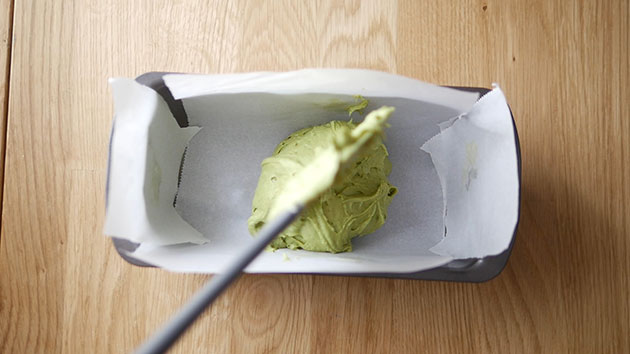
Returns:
(342,202)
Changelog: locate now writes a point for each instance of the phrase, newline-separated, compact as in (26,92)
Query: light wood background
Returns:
(562,64)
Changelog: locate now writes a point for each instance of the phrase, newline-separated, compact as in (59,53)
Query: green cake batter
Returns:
(355,205)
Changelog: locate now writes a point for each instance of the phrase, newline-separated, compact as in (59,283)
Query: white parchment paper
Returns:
(475,157)
(145,154)
(243,117)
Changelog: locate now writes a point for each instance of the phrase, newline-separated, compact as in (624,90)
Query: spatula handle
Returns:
(167,335)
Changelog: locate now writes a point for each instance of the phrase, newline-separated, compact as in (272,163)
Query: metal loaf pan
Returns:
(461,270)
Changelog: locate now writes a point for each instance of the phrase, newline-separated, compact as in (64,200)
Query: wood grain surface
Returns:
(6,17)
(562,64)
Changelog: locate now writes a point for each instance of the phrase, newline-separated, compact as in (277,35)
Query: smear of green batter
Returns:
(336,105)
(355,205)
(361,104)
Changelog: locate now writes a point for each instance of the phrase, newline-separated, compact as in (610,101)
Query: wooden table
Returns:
(563,65)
